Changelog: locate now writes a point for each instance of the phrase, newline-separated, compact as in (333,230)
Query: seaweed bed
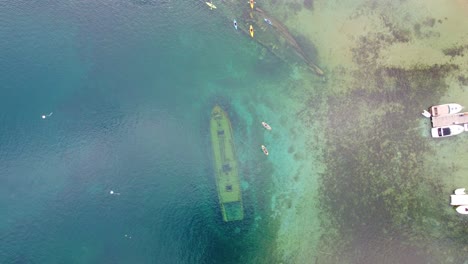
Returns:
(379,192)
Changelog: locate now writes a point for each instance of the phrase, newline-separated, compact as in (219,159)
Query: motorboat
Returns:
(460,191)
(447,131)
(462,209)
(265,150)
(457,199)
(460,199)
(265,125)
(445,109)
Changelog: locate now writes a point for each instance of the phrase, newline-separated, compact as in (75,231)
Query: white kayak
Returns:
(265,150)
(265,125)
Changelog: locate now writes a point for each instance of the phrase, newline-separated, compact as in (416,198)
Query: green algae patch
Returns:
(383,197)
(378,189)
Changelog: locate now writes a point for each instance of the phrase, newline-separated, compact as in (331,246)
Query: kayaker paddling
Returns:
(251,2)
(211,5)
(265,150)
(265,125)
(46,116)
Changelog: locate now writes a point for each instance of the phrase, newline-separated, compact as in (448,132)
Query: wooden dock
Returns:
(447,120)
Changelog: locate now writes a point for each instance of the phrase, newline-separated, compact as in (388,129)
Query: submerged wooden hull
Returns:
(225,166)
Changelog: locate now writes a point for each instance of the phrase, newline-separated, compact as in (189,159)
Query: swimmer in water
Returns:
(46,116)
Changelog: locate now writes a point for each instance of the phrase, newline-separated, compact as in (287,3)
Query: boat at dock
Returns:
(445,109)
(265,125)
(460,199)
(463,209)
(265,150)
(225,166)
(448,131)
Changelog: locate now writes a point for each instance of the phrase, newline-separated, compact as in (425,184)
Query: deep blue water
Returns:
(131,85)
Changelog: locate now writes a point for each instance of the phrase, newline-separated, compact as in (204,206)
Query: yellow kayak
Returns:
(211,5)
(251,3)
(251,31)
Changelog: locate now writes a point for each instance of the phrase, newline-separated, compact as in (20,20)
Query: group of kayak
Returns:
(251,29)
(267,127)
(212,6)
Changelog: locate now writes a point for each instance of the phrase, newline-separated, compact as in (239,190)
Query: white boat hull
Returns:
(462,209)
(445,109)
(458,200)
(447,131)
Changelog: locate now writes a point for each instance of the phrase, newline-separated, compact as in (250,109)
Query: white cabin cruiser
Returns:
(445,109)
(447,131)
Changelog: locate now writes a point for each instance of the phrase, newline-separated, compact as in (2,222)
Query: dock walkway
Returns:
(447,120)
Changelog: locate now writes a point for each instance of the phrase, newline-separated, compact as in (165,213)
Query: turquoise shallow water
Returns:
(131,85)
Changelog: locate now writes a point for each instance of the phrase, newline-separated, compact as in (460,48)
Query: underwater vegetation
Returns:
(379,192)
(456,51)
(378,188)
(309,4)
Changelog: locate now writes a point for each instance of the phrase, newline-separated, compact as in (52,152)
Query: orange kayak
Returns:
(251,31)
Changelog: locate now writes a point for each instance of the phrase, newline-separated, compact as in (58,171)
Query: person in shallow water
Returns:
(267,20)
